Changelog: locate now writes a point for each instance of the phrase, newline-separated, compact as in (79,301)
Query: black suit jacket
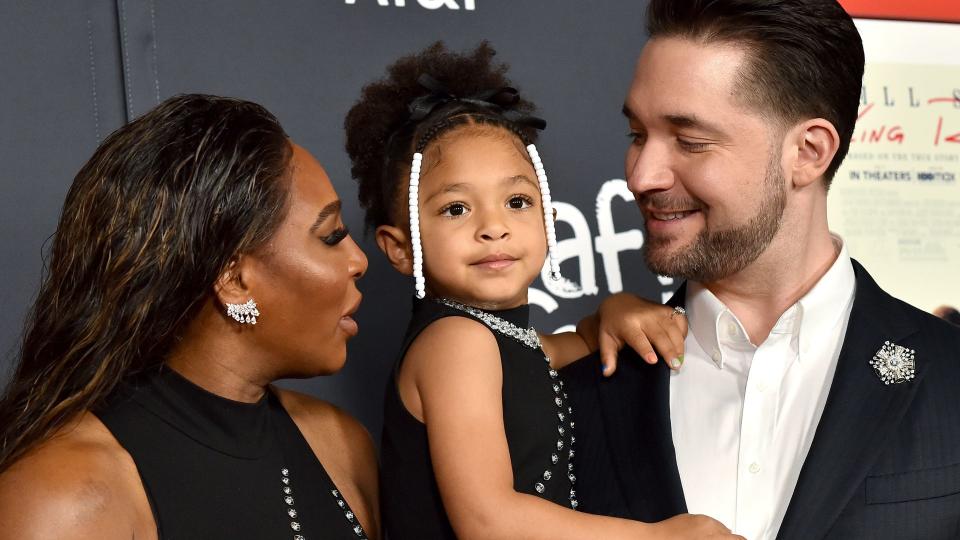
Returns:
(885,460)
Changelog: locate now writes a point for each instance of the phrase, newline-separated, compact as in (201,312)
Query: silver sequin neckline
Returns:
(527,336)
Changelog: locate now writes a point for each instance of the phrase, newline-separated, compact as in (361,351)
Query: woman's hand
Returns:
(626,319)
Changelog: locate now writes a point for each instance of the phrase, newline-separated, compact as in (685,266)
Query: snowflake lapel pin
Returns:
(894,364)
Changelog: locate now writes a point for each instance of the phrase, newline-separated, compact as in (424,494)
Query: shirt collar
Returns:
(814,315)
(827,304)
(704,311)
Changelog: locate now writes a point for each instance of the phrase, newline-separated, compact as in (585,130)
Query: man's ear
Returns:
(393,242)
(816,142)
(230,286)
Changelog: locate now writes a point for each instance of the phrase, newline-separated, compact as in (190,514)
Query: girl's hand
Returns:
(626,319)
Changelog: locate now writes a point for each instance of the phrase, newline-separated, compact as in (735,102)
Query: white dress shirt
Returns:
(743,416)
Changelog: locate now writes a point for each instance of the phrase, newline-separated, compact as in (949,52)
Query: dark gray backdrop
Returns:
(74,71)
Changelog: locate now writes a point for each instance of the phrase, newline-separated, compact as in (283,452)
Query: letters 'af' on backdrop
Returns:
(75,71)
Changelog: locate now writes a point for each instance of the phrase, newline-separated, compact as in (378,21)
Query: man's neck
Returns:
(760,293)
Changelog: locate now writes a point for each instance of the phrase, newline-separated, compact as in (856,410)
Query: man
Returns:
(811,404)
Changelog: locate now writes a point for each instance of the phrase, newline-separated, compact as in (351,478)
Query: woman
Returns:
(200,256)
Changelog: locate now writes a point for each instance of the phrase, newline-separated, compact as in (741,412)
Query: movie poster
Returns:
(896,199)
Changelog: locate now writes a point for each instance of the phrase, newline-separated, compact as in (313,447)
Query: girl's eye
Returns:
(454,210)
(519,202)
(336,236)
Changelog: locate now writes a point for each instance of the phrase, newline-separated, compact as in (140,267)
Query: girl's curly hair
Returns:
(382,136)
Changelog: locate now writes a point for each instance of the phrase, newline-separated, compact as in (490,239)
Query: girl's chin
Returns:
(488,302)
(493,295)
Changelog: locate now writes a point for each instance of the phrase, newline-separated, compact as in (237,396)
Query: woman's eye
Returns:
(336,236)
(518,202)
(454,210)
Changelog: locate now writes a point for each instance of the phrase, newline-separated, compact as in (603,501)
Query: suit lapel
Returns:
(637,399)
(859,414)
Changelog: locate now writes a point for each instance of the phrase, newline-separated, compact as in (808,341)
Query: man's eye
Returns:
(519,202)
(637,137)
(454,210)
(691,146)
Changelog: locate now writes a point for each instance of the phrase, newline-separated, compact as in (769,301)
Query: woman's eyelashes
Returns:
(336,236)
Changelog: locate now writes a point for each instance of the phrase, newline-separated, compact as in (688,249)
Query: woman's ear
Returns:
(230,287)
(817,142)
(393,242)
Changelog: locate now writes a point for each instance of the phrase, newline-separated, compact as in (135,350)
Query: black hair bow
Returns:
(498,101)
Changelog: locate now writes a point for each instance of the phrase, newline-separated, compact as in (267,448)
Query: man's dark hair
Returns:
(805,56)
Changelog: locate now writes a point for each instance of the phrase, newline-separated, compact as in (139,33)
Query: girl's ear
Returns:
(393,242)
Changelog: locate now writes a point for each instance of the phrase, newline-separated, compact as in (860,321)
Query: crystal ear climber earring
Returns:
(244,313)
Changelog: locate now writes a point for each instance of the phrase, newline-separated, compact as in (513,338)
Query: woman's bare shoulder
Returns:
(79,484)
(318,417)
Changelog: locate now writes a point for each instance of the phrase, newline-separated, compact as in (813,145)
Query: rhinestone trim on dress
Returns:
(529,337)
(292,512)
(347,513)
(288,499)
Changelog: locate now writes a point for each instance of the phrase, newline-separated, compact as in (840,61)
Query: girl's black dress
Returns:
(214,468)
(537,420)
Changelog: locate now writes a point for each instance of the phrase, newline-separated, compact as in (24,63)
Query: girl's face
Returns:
(481,218)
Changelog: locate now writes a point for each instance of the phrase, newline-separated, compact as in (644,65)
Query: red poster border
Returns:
(947,11)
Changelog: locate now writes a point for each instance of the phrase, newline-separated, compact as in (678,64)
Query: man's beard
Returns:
(715,255)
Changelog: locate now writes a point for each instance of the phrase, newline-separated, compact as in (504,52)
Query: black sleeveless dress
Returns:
(214,468)
(537,421)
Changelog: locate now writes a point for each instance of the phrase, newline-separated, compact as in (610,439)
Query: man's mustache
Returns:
(665,202)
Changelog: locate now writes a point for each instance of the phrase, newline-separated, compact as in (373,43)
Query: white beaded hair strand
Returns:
(416,246)
(547,212)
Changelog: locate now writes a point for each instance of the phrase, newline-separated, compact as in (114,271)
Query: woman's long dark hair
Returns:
(150,222)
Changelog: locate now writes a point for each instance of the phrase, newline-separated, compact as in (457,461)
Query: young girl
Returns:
(479,436)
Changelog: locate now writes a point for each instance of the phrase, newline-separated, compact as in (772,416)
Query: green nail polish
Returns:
(675,363)
(681,359)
